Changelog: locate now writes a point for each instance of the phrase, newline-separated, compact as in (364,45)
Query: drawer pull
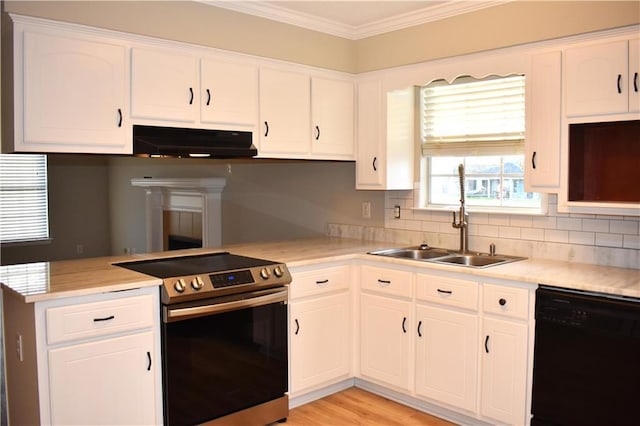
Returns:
(208,97)
(419,328)
(502,301)
(445,291)
(384,283)
(149,359)
(190,95)
(404,321)
(320,282)
(486,344)
(109,318)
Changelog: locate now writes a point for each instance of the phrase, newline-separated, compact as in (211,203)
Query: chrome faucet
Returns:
(463,222)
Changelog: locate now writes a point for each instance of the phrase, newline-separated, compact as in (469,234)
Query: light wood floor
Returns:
(355,406)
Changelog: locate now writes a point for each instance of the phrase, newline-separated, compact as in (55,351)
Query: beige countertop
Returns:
(50,280)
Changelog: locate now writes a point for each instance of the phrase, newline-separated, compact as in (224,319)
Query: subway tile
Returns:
(522,221)
(569,224)
(533,234)
(582,238)
(609,240)
(631,242)
(545,222)
(499,219)
(556,236)
(595,225)
(623,227)
(489,230)
(509,232)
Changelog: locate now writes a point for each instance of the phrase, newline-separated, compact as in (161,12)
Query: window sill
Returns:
(488,210)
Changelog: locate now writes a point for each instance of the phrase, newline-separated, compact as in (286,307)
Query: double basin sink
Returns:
(447,257)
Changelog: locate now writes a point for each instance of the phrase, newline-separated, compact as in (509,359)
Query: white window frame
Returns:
(24,200)
(450,145)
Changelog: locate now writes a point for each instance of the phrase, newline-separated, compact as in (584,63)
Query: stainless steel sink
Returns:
(478,260)
(450,257)
(416,253)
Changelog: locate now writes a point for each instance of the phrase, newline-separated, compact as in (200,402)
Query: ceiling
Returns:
(354,19)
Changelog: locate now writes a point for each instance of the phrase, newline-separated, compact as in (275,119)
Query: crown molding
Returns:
(392,23)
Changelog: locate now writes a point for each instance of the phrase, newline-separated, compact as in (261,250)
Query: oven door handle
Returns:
(257,298)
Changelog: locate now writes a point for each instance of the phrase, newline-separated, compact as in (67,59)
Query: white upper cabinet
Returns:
(634,75)
(305,116)
(70,93)
(164,85)
(285,120)
(386,143)
(228,93)
(544,114)
(599,78)
(333,117)
(174,87)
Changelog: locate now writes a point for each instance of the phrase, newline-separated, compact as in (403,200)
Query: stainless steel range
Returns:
(224,338)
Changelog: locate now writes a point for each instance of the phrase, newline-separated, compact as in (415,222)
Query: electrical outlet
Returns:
(366,209)
(79,248)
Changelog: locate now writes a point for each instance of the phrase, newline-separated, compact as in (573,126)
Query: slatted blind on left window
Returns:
(23,198)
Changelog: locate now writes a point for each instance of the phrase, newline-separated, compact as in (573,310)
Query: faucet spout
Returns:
(463,221)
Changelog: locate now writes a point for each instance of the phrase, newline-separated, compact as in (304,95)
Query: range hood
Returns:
(153,141)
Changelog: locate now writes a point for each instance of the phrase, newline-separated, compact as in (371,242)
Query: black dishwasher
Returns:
(586,368)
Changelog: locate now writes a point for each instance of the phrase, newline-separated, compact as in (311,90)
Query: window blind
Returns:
(23,198)
(473,117)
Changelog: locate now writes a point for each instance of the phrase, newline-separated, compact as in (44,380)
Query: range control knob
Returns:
(278,272)
(180,285)
(197,283)
(265,274)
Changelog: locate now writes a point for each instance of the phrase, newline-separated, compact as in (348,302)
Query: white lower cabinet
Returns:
(85,360)
(385,336)
(505,353)
(446,356)
(319,327)
(504,370)
(319,340)
(105,379)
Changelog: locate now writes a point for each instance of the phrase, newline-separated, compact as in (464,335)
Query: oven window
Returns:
(219,364)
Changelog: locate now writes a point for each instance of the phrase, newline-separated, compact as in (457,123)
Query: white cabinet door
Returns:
(74,96)
(110,381)
(285,99)
(320,340)
(228,93)
(386,143)
(164,86)
(634,75)
(504,371)
(385,336)
(596,79)
(369,165)
(447,356)
(333,117)
(544,112)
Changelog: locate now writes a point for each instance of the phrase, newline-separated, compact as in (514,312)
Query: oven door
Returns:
(224,355)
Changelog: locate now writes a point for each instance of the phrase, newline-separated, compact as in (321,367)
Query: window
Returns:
(23,198)
(480,124)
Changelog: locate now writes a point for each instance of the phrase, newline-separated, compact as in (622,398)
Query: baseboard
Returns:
(321,393)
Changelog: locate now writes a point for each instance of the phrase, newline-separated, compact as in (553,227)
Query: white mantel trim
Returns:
(158,195)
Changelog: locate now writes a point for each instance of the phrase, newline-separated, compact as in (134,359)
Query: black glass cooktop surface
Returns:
(193,265)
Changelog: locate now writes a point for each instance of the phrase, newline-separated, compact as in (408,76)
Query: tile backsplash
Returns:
(581,238)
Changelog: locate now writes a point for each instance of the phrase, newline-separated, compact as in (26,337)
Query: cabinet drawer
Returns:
(322,280)
(386,281)
(508,301)
(65,323)
(447,291)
